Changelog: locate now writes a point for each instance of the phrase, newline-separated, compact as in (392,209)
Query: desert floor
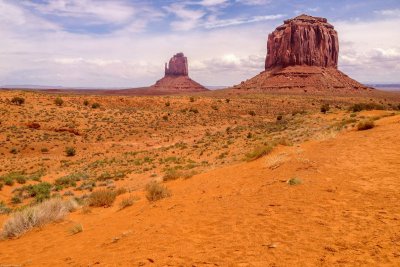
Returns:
(226,208)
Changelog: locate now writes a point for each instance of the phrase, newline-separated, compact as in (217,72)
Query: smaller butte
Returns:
(176,78)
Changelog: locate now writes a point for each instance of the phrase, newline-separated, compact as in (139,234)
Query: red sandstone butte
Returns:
(178,66)
(176,79)
(302,57)
(304,40)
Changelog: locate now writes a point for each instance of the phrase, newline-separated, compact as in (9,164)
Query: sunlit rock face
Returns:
(303,41)
(177,66)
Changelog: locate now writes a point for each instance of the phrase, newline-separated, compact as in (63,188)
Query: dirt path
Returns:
(345,213)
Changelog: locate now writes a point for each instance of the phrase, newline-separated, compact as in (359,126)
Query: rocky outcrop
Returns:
(304,40)
(302,57)
(177,66)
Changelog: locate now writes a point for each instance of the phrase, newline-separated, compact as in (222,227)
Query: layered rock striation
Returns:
(304,40)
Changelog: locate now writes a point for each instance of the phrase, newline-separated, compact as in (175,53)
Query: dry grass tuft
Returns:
(102,198)
(365,125)
(259,152)
(156,191)
(52,210)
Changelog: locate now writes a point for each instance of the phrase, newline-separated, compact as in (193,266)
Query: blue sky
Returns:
(124,43)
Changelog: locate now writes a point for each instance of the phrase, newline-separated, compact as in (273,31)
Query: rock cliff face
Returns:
(177,66)
(304,40)
(302,57)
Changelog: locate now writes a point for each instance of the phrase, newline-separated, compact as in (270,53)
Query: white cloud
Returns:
(389,12)
(215,23)
(87,11)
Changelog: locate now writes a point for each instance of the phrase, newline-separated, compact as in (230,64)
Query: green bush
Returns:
(39,191)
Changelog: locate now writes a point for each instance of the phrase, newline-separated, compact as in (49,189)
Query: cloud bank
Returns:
(125,44)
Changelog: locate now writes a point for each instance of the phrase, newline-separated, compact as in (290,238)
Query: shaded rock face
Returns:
(177,66)
(304,40)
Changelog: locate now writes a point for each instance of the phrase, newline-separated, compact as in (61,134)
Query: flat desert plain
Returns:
(209,179)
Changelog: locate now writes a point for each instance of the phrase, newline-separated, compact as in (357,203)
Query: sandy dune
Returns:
(345,213)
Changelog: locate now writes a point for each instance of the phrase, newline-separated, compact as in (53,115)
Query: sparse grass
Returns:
(102,198)
(365,125)
(259,152)
(366,106)
(294,181)
(46,212)
(126,202)
(156,191)
(77,228)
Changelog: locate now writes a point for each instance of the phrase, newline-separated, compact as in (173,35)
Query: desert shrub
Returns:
(70,179)
(77,228)
(86,102)
(165,117)
(46,212)
(95,105)
(171,174)
(167,104)
(279,117)
(14,150)
(1,186)
(366,106)
(102,198)
(365,125)
(227,100)
(18,100)
(294,181)
(259,152)
(252,113)
(40,191)
(192,99)
(59,101)
(156,191)
(8,180)
(325,108)
(126,202)
(16,200)
(4,209)
(70,151)
(44,150)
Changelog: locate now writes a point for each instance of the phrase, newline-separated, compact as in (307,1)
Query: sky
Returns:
(125,43)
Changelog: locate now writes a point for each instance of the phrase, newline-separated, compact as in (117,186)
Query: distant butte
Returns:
(176,79)
(302,55)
